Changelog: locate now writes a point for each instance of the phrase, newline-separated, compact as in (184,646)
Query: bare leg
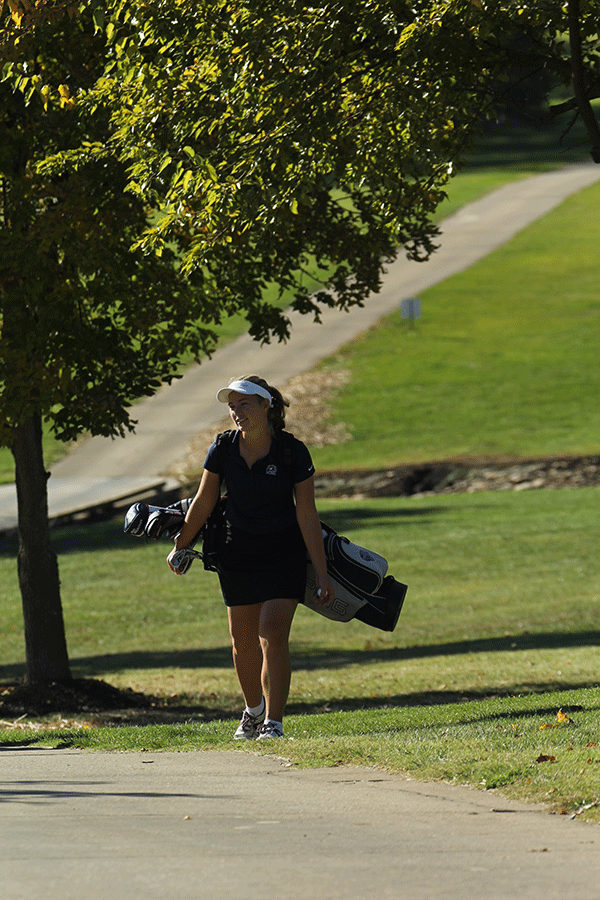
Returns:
(275,622)
(247,653)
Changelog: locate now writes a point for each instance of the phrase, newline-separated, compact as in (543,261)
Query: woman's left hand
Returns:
(323,591)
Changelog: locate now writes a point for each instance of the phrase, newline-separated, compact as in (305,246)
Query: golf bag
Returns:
(154,522)
(362,589)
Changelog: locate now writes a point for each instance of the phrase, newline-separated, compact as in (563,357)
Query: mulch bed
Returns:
(81,695)
(455,476)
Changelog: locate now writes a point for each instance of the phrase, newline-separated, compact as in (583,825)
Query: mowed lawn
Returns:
(504,360)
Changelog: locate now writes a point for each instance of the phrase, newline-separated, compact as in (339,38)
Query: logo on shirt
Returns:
(271,470)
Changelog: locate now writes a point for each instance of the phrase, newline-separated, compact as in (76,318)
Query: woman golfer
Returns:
(271,522)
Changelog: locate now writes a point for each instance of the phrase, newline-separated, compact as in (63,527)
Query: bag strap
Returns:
(223,440)
(284,449)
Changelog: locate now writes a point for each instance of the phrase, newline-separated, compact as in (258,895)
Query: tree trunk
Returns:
(45,641)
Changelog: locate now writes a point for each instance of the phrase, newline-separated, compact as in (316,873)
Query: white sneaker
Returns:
(249,726)
(269,730)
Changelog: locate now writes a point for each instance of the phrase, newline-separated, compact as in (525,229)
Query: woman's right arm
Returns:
(200,509)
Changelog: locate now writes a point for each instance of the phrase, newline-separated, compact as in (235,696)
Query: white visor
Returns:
(243,387)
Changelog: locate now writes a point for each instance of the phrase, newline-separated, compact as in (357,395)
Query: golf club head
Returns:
(136,518)
(164,522)
(182,560)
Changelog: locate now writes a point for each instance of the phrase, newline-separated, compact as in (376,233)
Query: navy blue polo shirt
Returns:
(260,499)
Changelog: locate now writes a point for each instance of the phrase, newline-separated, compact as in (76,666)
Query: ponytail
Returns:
(276,414)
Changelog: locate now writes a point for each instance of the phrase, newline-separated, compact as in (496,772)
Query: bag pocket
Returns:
(359,570)
(211,532)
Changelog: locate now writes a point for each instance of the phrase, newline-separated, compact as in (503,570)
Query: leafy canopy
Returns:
(280,134)
(277,134)
(233,144)
(87,325)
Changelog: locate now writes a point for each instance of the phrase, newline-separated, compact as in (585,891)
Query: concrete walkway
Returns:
(103,468)
(218,825)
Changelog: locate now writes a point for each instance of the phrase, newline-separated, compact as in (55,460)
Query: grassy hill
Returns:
(503,361)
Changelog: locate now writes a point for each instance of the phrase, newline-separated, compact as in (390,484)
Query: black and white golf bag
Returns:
(361,586)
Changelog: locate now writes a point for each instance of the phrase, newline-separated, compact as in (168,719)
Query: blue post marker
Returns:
(411,309)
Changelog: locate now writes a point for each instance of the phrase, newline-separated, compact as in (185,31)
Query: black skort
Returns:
(257,567)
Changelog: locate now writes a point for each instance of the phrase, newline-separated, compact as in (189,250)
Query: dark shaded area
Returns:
(526,142)
(328,658)
(80,695)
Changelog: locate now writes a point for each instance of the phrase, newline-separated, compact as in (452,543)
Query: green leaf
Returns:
(98,17)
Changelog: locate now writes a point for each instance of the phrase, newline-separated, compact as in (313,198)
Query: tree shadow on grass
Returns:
(358,517)
(305,659)
(84,537)
(100,704)
(444,698)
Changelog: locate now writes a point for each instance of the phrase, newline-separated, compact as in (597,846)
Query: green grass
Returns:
(500,629)
(503,361)
(485,571)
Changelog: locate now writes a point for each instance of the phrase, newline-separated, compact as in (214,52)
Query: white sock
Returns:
(256,710)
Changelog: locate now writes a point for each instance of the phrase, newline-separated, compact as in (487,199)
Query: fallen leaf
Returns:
(543,758)
(563,718)
(584,808)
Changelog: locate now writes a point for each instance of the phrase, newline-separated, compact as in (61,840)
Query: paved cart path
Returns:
(205,825)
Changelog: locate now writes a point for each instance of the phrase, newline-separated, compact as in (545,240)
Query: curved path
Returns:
(101,468)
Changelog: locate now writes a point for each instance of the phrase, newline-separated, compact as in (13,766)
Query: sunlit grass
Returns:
(503,360)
